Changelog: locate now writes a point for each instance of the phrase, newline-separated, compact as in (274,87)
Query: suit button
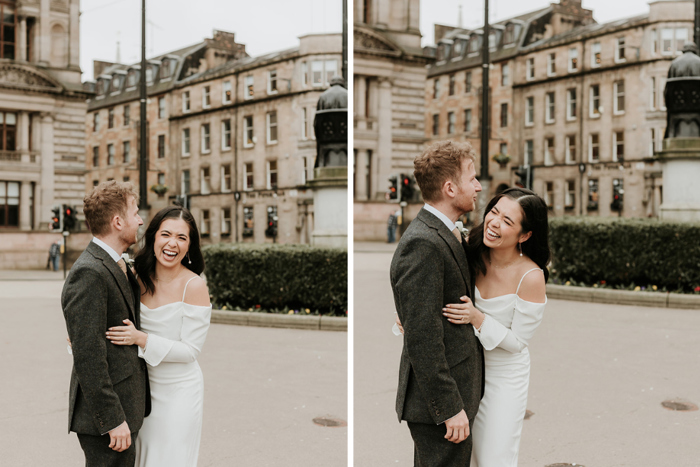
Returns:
(437,412)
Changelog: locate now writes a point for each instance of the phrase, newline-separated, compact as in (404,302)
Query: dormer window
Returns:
(103,84)
(167,68)
(132,77)
(458,48)
(149,75)
(492,40)
(117,81)
(474,43)
(509,35)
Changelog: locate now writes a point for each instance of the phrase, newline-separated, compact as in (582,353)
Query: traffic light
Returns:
(522,172)
(69,218)
(394,187)
(618,201)
(271,229)
(407,187)
(56,218)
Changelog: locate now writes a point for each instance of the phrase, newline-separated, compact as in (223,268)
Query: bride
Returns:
(175,314)
(509,251)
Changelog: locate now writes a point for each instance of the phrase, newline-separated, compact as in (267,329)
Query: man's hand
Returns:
(120,438)
(457,427)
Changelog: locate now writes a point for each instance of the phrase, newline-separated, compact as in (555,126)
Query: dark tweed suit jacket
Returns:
(441,368)
(109,383)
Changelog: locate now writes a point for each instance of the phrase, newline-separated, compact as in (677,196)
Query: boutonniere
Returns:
(129,262)
(462,230)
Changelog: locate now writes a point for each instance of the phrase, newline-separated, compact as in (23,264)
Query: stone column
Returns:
(74,35)
(361,175)
(360,101)
(47,196)
(24,202)
(384,126)
(23,39)
(23,132)
(383,13)
(44,35)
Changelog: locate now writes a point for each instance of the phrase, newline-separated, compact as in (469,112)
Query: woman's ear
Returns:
(525,237)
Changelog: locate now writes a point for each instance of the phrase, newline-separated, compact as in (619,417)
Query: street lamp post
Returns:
(696,36)
(345,43)
(484,177)
(143,146)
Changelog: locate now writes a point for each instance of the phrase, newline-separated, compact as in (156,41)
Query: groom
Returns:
(109,394)
(441,373)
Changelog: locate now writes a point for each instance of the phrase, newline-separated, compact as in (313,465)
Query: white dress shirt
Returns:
(445,220)
(115,256)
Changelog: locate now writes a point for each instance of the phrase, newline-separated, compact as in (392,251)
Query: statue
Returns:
(331,126)
(682,95)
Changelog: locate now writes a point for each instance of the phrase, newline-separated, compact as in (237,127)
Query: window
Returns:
(654,42)
(304,124)
(570,143)
(549,194)
(474,44)
(619,99)
(530,111)
(317,73)
(132,78)
(549,108)
(549,151)
(529,152)
(204,181)
(249,90)
(509,34)
(185,182)
(450,123)
(204,225)
(161,146)
(436,124)
(186,142)
(110,118)
(225,178)
(7,34)
(530,69)
(271,230)
(205,136)
(149,75)
(185,101)
(331,67)
(652,98)
(127,115)
(573,60)
(304,74)
(595,55)
(126,151)
(167,68)
(681,39)
(248,138)
(594,110)
(225,222)
(272,82)
(667,41)
(248,176)
(620,50)
(272,127)
(467,120)
(618,194)
(468,82)
(248,222)
(551,64)
(9,200)
(96,156)
(505,74)
(226,134)
(652,145)
(226,92)
(161,107)
(592,194)
(206,97)
(503,148)
(304,170)
(271,175)
(110,154)
(161,178)
(593,148)
(436,88)
(618,146)
(571,104)
(570,195)
(504,115)
(452,85)
(8,131)
(96,121)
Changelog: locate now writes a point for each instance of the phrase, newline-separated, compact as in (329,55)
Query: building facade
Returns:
(579,103)
(230,135)
(389,105)
(42,113)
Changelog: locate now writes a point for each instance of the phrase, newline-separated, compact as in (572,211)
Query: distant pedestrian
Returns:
(55,254)
(391,226)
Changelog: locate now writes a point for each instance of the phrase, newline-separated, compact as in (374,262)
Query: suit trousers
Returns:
(99,454)
(433,450)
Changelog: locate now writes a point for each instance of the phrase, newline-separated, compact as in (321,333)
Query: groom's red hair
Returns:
(440,162)
(107,200)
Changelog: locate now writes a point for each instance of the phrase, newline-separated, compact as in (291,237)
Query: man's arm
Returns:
(418,282)
(85,309)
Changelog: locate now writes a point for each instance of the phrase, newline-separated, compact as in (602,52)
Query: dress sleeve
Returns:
(526,317)
(195,324)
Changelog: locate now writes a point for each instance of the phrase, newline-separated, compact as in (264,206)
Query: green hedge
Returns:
(626,252)
(278,277)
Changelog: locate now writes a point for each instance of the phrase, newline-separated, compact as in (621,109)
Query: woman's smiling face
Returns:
(172,242)
(502,225)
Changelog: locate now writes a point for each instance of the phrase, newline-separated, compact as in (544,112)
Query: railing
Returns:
(23,157)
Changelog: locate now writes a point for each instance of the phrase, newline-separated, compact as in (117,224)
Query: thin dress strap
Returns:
(521,279)
(185,291)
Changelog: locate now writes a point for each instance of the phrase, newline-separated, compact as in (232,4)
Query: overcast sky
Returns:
(446,11)
(262,25)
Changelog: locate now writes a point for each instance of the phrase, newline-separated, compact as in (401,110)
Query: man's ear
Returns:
(448,189)
(117,223)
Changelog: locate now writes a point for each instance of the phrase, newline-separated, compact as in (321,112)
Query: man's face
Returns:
(131,222)
(467,188)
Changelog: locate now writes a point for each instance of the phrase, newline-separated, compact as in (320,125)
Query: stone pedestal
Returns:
(330,187)
(680,159)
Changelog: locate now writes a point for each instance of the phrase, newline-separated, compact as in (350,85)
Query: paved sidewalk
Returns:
(599,375)
(263,388)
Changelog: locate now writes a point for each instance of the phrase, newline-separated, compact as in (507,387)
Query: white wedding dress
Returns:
(509,324)
(170,435)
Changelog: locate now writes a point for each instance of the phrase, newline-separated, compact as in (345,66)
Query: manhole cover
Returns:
(680,405)
(564,465)
(330,422)
(528,414)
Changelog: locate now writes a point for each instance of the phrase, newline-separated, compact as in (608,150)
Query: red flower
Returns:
(257,306)
(697,289)
(602,282)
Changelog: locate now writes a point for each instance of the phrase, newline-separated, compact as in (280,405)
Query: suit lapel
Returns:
(118,274)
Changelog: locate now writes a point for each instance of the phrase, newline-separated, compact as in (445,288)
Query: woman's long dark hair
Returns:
(534,211)
(145,259)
